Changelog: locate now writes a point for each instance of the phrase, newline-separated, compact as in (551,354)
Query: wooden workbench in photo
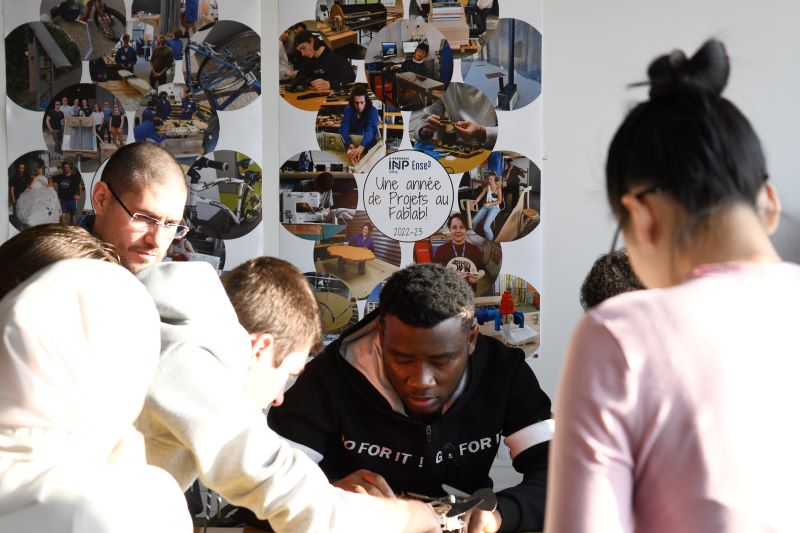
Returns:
(310,104)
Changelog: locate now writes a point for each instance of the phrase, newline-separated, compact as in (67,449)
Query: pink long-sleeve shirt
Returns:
(678,409)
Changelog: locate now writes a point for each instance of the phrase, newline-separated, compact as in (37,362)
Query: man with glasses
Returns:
(139,203)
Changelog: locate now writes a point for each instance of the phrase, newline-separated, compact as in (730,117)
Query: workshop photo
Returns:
(176,121)
(41,59)
(459,130)
(95,26)
(338,308)
(85,123)
(509,312)
(361,255)
(454,246)
(42,190)
(501,199)
(355,125)
(409,64)
(508,68)
(224,200)
(318,195)
(311,66)
(350,25)
(466,24)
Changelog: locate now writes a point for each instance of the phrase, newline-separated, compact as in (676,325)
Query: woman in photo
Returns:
(659,386)
(492,196)
(460,254)
(116,125)
(99,118)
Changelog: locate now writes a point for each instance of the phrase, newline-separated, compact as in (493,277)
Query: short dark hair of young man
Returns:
(610,275)
(413,396)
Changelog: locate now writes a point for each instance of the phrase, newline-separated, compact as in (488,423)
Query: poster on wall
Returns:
(411,132)
(86,78)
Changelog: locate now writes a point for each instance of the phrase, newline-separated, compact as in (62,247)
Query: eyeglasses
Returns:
(655,189)
(146,223)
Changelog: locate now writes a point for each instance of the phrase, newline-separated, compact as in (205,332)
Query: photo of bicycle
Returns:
(94,25)
(224,195)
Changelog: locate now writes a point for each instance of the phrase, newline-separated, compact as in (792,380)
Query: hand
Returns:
(477,521)
(365,482)
(320,85)
(355,154)
(422,517)
(431,126)
(292,74)
(469,130)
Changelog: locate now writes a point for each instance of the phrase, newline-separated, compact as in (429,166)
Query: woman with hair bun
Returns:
(676,406)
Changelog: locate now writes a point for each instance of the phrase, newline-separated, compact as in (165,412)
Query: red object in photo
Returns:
(422,252)
(506,303)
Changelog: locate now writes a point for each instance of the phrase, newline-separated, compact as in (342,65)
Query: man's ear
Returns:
(473,336)
(643,225)
(769,208)
(101,197)
(262,348)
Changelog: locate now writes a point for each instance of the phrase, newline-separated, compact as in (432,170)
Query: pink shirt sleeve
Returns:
(591,462)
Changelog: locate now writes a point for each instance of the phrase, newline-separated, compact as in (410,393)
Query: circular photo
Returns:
(41,59)
(175,120)
(501,199)
(508,69)
(361,255)
(509,311)
(224,200)
(96,26)
(223,68)
(455,246)
(84,122)
(318,195)
(459,130)
(355,125)
(42,190)
(467,24)
(337,306)
(179,18)
(315,57)
(409,64)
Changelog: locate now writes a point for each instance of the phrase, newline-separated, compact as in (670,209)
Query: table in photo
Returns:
(308,104)
(427,89)
(184,137)
(353,254)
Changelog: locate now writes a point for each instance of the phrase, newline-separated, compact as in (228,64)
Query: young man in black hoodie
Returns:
(321,67)
(413,397)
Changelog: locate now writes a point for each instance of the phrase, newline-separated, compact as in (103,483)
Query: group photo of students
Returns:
(594,370)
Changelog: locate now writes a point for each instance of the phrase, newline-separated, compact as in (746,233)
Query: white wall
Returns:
(591,51)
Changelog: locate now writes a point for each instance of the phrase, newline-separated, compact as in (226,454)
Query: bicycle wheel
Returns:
(217,78)
(110,22)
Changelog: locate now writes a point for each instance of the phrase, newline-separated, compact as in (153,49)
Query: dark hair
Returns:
(611,274)
(459,216)
(299,25)
(325,181)
(271,296)
(687,139)
(141,165)
(305,36)
(368,226)
(360,89)
(39,246)
(423,295)
(423,46)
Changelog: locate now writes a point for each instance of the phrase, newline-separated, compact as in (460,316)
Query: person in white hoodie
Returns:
(203,414)
(70,389)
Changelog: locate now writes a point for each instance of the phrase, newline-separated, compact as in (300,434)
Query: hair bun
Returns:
(706,73)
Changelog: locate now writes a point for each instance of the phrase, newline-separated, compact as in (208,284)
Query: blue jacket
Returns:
(365,125)
(147,130)
(163,108)
(147,114)
(360,241)
(126,57)
(188,108)
(177,48)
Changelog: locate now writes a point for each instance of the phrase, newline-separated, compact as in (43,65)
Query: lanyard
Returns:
(463,249)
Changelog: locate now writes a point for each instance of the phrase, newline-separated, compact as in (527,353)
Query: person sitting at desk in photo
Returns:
(416,63)
(492,196)
(459,254)
(323,184)
(147,130)
(413,396)
(321,67)
(163,107)
(125,58)
(363,239)
(188,105)
(361,119)
(287,54)
(473,116)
